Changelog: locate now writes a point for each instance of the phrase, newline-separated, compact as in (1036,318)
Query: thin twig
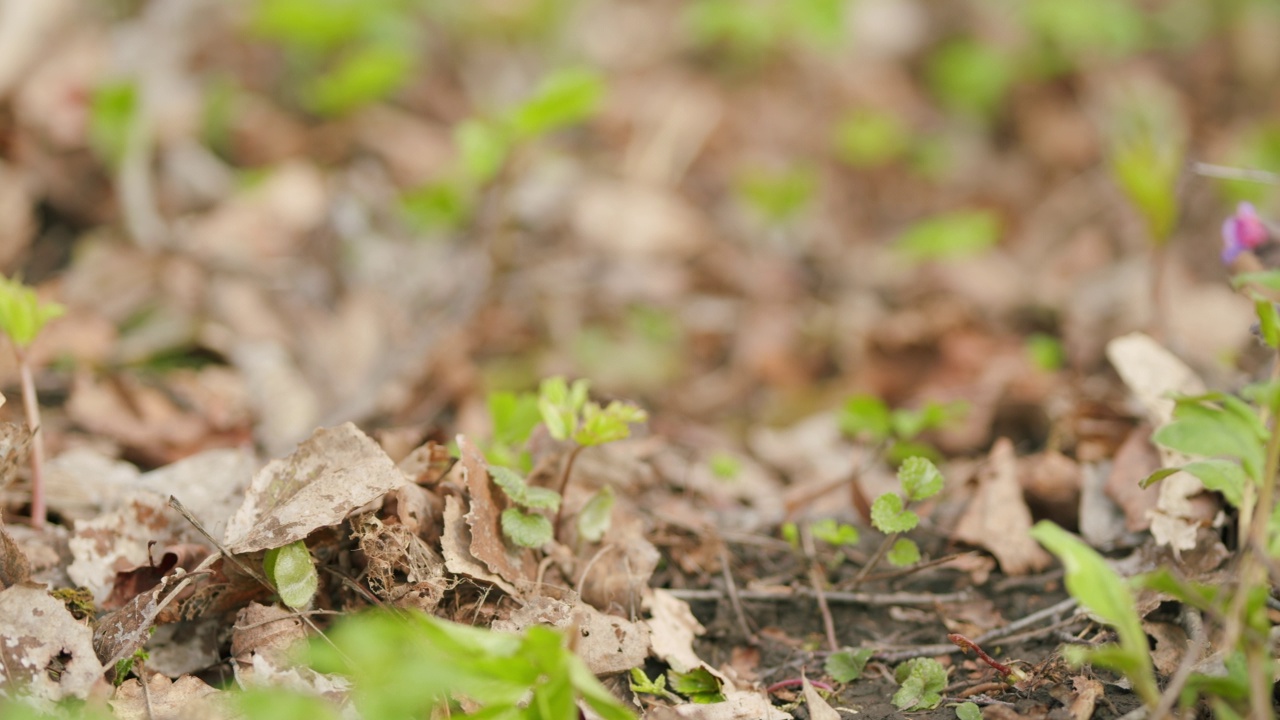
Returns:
(817,579)
(875,558)
(845,598)
(582,579)
(1025,622)
(732,588)
(903,572)
(1226,172)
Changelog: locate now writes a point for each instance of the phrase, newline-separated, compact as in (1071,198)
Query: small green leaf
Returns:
(1102,592)
(922,680)
(600,426)
(865,415)
(920,478)
(724,466)
(596,515)
(832,533)
(847,665)
(1268,321)
(871,139)
(1269,279)
(363,76)
(526,529)
(112,111)
(515,487)
(559,424)
(22,315)
(699,685)
(291,571)
(1223,476)
(903,553)
(566,97)
(791,534)
(1046,353)
(968,711)
(954,235)
(482,147)
(1199,428)
(888,515)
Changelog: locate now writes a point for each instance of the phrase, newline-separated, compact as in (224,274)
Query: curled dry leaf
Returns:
(737,705)
(672,629)
(187,698)
(455,542)
(487,544)
(332,474)
(997,517)
(14,566)
(41,637)
(607,644)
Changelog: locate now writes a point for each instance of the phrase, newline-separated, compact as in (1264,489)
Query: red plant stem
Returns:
(564,483)
(967,644)
(29,404)
(797,682)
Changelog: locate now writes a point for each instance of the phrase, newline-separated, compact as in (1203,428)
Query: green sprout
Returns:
(922,681)
(22,317)
(569,415)
(895,431)
(520,524)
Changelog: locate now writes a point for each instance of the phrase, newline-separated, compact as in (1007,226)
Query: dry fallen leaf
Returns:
(46,651)
(187,698)
(455,543)
(818,708)
(332,474)
(1135,460)
(997,517)
(606,643)
(14,566)
(487,543)
(672,628)
(737,705)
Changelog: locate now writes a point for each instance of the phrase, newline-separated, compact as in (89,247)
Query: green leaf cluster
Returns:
(519,525)
(112,111)
(569,415)
(514,416)
(1103,593)
(412,665)
(564,98)
(1146,146)
(868,418)
(345,54)
(748,32)
(22,315)
(1224,429)
(834,533)
(922,681)
(778,196)
(954,235)
(698,685)
(292,574)
(869,139)
(920,480)
(641,683)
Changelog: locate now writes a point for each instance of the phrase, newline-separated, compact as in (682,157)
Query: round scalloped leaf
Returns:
(594,519)
(526,529)
(904,552)
(920,478)
(888,515)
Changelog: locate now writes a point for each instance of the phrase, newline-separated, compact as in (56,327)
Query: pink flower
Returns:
(1242,232)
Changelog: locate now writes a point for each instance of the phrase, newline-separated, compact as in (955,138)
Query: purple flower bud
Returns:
(1242,232)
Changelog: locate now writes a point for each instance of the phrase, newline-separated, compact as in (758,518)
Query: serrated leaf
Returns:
(1102,592)
(904,552)
(22,315)
(920,478)
(923,680)
(291,571)
(595,517)
(888,515)
(519,491)
(847,665)
(600,426)
(699,685)
(526,529)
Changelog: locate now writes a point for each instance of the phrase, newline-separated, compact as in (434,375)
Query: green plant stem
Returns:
(31,407)
(564,483)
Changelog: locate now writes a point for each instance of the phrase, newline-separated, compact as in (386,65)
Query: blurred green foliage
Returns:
(953,235)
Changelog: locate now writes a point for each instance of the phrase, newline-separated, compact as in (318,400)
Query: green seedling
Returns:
(970,79)
(921,681)
(344,54)
(724,466)
(520,524)
(748,32)
(778,197)
(869,419)
(951,236)
(1147,138)
(569,415)
(485,144)
(870,139)
(112,112)
(920,480)
(698,685)
(968,711)
(414,665)
(1070,34)
(1045,352)
(127,665)
(22,317)
(1091,580)
(292,573)
(847,664)
(640,683)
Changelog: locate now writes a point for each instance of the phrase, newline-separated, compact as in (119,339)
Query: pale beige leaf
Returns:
(997,517)
(335,472)
(45,650)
